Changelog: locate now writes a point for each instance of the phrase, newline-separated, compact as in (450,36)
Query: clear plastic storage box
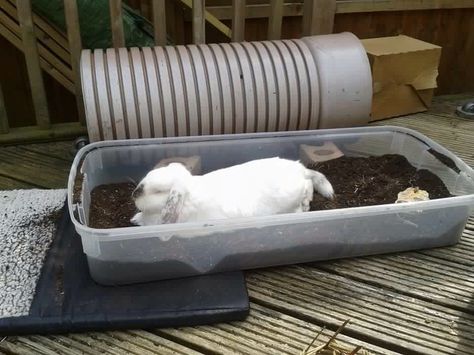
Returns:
(137,254)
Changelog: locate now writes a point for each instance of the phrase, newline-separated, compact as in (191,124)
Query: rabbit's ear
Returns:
(173,206)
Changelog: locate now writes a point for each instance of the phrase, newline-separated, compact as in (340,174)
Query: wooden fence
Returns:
(49,50)
(36,57)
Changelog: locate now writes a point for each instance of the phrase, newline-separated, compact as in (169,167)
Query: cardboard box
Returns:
(404,72)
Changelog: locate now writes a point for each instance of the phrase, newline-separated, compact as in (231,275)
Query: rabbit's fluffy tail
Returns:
(321,184)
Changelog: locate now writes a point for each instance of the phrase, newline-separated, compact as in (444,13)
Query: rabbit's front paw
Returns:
(137,219)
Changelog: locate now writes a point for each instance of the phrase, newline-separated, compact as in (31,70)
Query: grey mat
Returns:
(27,228)
(46,287)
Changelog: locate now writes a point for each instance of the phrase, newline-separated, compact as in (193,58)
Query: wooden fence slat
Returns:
(170,7)
(50,31)
(11,31)
(45,64)
(159,22)
(178,32)
(58,131)
(145,8)
(218,25)
(318,17)
(44,32)
(3,113)
(238,20)
(401,5)
(275,20)
(199,21)
(174,20)
(75,46)
(32,59)
(116,23)
(291,9)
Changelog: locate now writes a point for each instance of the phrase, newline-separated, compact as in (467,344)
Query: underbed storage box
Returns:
(137,254)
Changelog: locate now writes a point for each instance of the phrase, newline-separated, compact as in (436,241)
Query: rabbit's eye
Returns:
(157,191)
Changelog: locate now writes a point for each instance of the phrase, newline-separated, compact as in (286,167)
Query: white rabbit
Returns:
(257,188)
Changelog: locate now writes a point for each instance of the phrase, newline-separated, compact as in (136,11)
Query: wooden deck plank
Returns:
(33,168)
(100,345)
(61,150)
(395,321)
(446,105)
(7,183)
(443,275)
(149,342)
(265,331)
(409,274)
(71,343)
(12,347)
(449,255)
(37,347)
(55,345)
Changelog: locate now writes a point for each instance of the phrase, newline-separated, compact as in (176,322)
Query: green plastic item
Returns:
(94,20)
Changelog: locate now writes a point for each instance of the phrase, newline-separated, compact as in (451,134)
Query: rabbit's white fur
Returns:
(256,188)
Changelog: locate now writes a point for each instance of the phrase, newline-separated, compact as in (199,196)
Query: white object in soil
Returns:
(412,194)
(26,232)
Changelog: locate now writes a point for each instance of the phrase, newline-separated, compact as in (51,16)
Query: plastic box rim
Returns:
(238,223)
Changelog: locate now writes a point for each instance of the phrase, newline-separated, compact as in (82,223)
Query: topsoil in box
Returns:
(356,181)
(112,206)
(373,181)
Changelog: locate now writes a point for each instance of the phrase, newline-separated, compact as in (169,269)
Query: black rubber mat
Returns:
(68,300)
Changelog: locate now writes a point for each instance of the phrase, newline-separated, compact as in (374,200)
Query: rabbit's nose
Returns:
(137,192)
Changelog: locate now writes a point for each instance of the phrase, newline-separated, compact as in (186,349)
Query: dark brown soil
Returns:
(373,181)
(356,181)
(112,206)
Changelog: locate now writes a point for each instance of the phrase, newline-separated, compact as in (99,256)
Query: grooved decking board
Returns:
(33,168)
(60,150)
(461,258)
(96,343)
(7,183)
(388,318)
(444,275)
(446,105)
(265,331)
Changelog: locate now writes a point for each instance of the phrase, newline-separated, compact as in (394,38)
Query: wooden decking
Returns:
(410,303)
